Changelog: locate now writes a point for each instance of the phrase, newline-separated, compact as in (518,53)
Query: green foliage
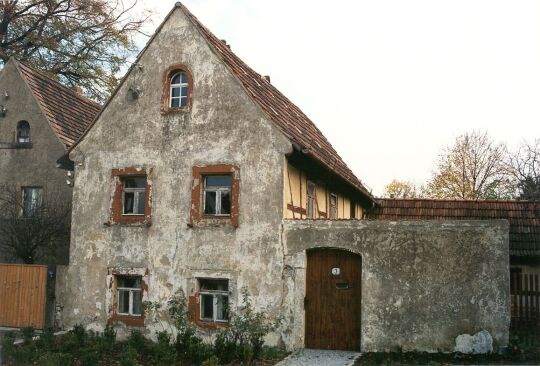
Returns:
(46,339)
(136,340)
(8,349)
(212,361)
(165,353)
(79,334)
(128,357)
(56,359)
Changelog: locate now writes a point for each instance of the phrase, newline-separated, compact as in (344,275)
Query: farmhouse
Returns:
(199,175)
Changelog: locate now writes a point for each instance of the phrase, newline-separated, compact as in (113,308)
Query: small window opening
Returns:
(129,295)
(333,206)
(217,195)
(311,200)
(214,300)
(133,195)
(23,132)
(353,210)
(179,90)
(32,199)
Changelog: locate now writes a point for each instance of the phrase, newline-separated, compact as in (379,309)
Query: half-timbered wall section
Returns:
(308,196)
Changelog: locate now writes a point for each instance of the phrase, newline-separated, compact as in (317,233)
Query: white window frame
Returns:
(218,190)
(136,196)
(25,139)
(131,291)
(179,86)
(311,202)
(215,294)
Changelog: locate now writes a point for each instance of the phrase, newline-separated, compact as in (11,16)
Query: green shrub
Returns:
(137,341)
(128,357)
(107,339)
(79,333)
(46,339)
(28,334)
(212,361)
(55,359)
(165,353)
(225,349)
(8,348)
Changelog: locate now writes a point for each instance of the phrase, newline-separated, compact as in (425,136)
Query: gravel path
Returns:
(317,357)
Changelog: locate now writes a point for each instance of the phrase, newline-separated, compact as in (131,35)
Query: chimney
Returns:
(225,43)
(266,77)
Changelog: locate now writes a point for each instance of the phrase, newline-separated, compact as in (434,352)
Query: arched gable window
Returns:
(23,132)
(179,92)
(177,89)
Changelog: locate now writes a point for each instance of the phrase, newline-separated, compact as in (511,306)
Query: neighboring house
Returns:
(39,121)
(191,178)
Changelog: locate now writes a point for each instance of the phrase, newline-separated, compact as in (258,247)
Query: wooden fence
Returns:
(22,295)
(525,308)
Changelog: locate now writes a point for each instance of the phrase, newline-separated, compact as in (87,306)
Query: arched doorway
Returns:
(333,298)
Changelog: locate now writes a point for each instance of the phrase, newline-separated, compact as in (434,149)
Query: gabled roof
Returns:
(68,113)
(523,216)
(285,115)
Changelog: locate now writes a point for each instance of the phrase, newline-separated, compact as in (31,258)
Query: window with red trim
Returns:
(131,202)
(215,194)
(177,89)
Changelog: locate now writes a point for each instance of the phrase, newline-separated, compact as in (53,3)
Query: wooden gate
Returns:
(525,310)
(332,303)
(22,295)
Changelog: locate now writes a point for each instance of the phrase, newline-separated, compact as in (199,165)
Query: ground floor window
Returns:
(129,295)
(214,300)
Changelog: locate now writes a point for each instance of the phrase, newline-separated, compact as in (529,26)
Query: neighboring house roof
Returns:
(287,116)
(523,216)
(68,113)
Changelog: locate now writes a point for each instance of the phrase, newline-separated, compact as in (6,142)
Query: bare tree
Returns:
(79,42)
(33,231)
(473,168)
(524,168)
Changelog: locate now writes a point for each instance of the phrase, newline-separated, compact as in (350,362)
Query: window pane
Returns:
(207,306)
(128,281)
(225,202)
(210,203)
(128,202)
(183,102)
(222,307)
(176,78)
(123,301)
(214,285)
(175,103)
(140,207)
(134,182)
(31,200)
(183,77)
(218,181)
(175,92)
(184,91)
(137,303)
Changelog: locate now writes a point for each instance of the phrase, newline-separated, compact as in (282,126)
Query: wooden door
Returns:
(22,295)
(332,303)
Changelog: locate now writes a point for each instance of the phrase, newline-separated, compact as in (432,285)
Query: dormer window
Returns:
(179,90)
(23,132)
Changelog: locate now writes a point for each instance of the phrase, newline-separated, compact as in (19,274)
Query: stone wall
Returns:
(423,282)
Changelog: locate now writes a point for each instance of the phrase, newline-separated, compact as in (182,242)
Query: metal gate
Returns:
(22,295)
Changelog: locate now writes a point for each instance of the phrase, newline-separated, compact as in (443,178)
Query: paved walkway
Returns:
(316,357)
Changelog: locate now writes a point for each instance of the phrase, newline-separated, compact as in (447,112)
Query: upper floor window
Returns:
(32,198)
(179,91)
(311,203)
(217,195)
(333,206)
(23,132)
(133,195)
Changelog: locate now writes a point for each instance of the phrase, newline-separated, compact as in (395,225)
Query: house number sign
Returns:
(336,271)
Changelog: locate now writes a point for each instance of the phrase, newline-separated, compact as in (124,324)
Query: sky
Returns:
(391,82)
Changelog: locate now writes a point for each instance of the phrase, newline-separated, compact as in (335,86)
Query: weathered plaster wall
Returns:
(35,166)
(223,127)
(423,282)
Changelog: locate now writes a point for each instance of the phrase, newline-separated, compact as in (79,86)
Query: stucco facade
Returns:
(255,248)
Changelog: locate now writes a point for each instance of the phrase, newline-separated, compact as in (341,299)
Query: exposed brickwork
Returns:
(199,172)
(165,108)
(116,203)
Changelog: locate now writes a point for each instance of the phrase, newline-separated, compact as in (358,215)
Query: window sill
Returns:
(140,222)
(213,221)
(129,320)
(16,145)
(170,110)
